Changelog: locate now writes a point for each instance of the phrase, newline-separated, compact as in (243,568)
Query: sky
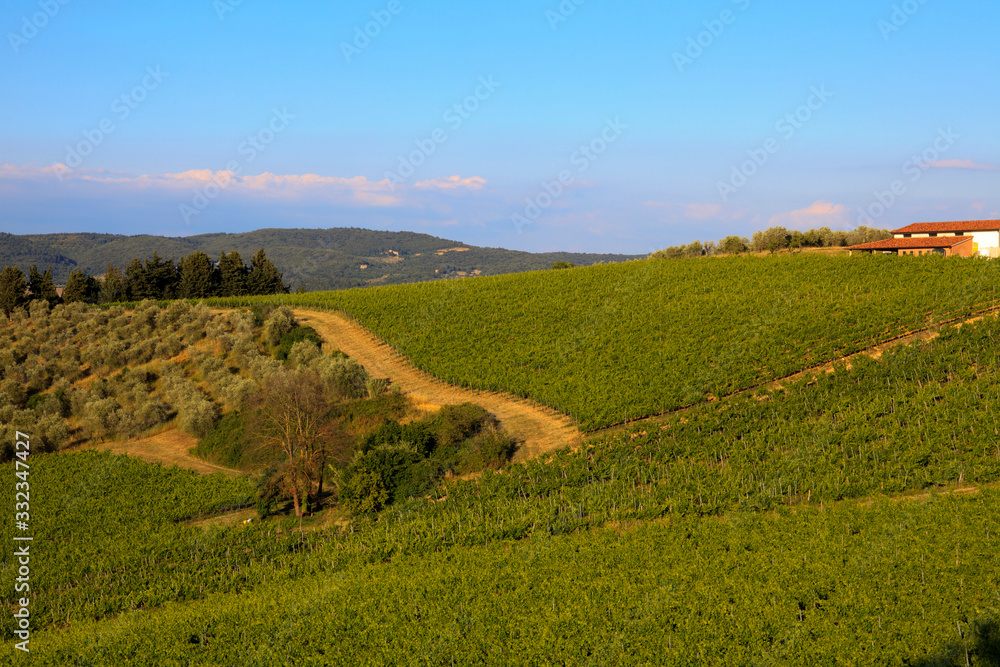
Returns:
(541,125)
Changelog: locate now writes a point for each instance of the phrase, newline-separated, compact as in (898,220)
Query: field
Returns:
(611,343)
(890,584)
(848,517)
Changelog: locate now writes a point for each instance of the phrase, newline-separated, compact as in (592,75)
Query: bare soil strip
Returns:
(169,447)
(539,429)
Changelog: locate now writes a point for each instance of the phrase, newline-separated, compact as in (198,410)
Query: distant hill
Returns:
(319,259)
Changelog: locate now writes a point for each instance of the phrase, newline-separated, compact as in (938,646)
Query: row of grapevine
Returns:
(910,583)
(610,343)
(919,417)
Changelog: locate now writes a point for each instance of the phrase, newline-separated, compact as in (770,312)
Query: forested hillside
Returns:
(316,259)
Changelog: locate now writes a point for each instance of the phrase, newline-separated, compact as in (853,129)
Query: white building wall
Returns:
(987,241)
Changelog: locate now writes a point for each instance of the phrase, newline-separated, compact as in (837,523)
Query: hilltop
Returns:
(317,259)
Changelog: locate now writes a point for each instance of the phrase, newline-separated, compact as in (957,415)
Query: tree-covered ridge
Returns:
(310,258)
(610,343)
(196,276)
(774,239)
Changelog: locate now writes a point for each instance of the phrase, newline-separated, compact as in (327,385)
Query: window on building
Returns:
(932,234)
(906,236)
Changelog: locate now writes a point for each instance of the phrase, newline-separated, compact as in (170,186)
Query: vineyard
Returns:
(610,343)
(556,540)
(846,518)
(891,584)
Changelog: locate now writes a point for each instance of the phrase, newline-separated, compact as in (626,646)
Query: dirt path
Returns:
(539,429)
(169,447)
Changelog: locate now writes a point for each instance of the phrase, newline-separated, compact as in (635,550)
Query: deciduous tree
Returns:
(289,417)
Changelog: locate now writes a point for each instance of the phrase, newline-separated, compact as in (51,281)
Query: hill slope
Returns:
(616,342)
(315,258)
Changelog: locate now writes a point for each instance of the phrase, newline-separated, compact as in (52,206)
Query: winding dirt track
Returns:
(538,429)
(170,447)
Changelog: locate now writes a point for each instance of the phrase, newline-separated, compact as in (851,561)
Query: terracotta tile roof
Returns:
(964,226)
(907,244)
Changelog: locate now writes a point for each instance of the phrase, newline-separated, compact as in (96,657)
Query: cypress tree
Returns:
(81,287)
(114,288)
(41,286)
(163,276)
(12,289)
(138,285)
(233,274)
(264,276)
(198,277)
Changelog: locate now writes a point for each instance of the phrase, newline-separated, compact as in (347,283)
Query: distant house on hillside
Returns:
(965,239)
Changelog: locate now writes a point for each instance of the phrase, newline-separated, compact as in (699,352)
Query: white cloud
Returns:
(970,165)
(453,183)
(355,191)
(821,213)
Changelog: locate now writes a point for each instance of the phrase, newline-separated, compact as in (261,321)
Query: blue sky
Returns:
(581,125)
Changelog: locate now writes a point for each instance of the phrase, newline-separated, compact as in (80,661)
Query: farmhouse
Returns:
(965,239)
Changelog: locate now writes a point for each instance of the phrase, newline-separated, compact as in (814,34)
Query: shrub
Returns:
(231,443)
(238,392)
(268,493)
(196,416)
(344,376)
(376,386)
(491,448)
(277,324)
(455,423)
(150,413)
(416,436)
(14,391)
(303,354)
(293,336)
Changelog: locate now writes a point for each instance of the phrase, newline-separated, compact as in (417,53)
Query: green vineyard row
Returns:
(610,343)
